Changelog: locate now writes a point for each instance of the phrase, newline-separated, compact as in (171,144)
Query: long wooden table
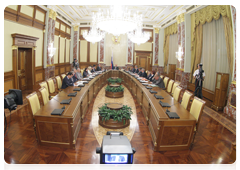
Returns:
(62,131)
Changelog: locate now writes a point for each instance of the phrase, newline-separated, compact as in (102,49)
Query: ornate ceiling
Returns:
(155,15)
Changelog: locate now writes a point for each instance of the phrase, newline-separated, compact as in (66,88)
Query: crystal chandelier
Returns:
(139,37)
(117,21)
(93,35)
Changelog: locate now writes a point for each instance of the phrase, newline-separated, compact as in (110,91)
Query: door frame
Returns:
(22,41)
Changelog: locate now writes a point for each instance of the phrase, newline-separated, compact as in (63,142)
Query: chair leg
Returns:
(192,140)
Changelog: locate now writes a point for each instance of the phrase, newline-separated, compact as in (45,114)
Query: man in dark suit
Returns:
(115,67)
(93,69)
(150,76)
(144,74)
(74,77)
(158,81)
(67,81)
(132,69)
(136,69)
(140,72)
(99,68)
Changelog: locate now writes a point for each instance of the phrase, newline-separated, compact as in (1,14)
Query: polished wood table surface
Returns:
(62,131)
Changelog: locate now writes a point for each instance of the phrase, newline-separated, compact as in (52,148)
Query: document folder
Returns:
(72,94)
(66,101)
(77,89)
(172,115)
(158,97)
(81,85)
(58,111)
(164,104)
(151,91)
(148,87)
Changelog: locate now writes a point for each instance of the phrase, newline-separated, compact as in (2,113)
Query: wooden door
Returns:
(143,62)
(25,79)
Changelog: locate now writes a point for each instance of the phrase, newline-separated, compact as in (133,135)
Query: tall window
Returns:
(173,48)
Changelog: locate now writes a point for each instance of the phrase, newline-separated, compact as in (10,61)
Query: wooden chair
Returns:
(176,93)
(166,80)
(33,107)
(196,110)
(174,86)
(44,95)
(186,99)
(58,82)
(63,76)
(162,76)
(170,85)
(51,87)
(44,84)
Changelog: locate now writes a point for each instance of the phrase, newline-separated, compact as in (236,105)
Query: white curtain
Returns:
(214,52)
(173,48)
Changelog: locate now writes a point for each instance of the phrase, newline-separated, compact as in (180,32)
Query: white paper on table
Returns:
(154,85)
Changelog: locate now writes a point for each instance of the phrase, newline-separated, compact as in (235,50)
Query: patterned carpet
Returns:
(100,131)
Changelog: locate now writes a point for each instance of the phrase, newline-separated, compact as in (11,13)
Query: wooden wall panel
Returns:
(8,81)
(206,93)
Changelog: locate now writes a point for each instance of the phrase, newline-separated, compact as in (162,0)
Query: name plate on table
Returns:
(66,101)
(151,91)
(172,115)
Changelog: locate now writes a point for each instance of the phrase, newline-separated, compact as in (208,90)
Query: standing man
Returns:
(75,63)
(199,75)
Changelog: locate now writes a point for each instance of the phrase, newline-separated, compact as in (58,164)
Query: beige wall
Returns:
(11,28)
(62,50)
(93,52)
(119,51)
(56,42)
(144,47)
(83,51)
(67,50)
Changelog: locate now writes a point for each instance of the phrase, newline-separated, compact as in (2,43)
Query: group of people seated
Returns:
(151,76)
(75,75)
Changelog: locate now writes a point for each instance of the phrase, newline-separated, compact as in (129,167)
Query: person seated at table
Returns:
(151,75)
(89,70)
(144,74)
(132,69)
(99,67)
(79,74)
(74,77)
(85,72)
(136,69)
(93,69)
(140,72)
(158,81)
(115,67)
(67,81)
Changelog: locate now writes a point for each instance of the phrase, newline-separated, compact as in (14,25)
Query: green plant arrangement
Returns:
(113,81)
(114,89)
(116,115)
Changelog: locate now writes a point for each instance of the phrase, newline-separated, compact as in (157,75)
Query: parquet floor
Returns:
(212,144)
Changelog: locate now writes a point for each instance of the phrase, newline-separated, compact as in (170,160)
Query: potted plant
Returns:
(114,118)
(114,91)
(113,81)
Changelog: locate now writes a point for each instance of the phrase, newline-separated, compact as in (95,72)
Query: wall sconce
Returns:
(179,53)
(51,50)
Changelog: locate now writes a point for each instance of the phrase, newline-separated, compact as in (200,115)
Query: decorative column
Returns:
(101,52)
(156,49)
(181,43)
(50,69)
(129,54)
(75,42)
(230,109)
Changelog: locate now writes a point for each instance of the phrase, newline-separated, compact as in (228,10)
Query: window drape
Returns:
(173,48)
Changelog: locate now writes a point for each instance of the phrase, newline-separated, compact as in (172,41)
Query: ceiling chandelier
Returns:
(138,36)
(117,21)
(94,35)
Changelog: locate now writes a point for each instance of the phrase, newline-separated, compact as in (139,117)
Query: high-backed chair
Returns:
(33,106)
(82,72)
(174,86)
(186,99)
(170,85)
(176,93)
(196,110)
(44,84)
(62,76)
(59,82)
(166,80)
(44,95)
(51,87)
(162,76)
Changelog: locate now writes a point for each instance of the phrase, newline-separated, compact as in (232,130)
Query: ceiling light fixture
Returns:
(139,36)
(94,35)
(117,21)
